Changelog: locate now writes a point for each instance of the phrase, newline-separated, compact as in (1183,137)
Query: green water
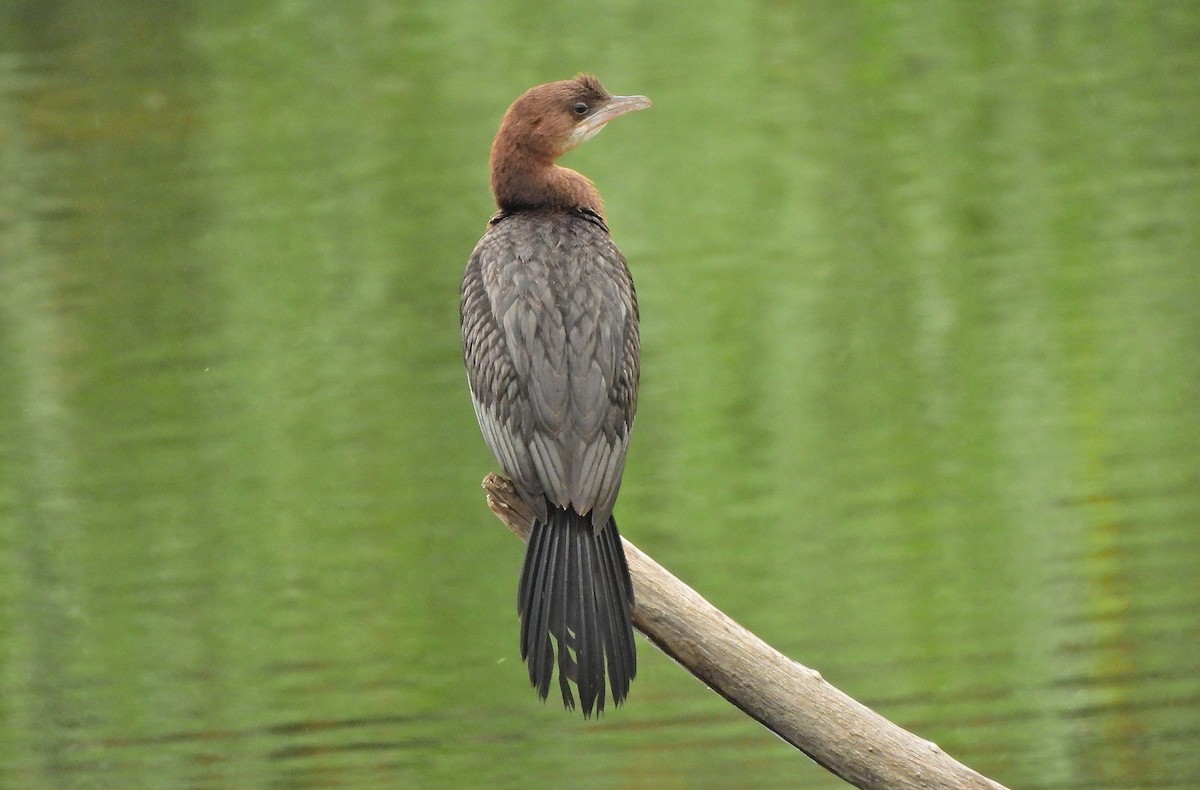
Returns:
(920,290)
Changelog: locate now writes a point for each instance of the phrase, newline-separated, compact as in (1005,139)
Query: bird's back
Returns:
(550,337)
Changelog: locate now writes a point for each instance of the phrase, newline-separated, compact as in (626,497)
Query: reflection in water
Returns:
(918,295)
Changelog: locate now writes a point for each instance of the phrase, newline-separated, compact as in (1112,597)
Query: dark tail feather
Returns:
(574,600)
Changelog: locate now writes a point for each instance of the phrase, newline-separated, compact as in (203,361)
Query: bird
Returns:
(549,321)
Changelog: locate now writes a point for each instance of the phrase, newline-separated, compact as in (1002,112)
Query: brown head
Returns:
(543,124)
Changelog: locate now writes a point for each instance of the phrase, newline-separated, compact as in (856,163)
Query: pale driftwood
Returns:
(844,736)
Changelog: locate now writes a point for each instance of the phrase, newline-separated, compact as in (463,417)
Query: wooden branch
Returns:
(844,736)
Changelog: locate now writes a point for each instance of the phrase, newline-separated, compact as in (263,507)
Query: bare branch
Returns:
(796,703)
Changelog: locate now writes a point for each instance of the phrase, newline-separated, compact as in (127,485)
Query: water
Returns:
(919,290)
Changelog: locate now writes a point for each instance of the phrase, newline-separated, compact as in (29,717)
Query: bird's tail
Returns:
(575,587)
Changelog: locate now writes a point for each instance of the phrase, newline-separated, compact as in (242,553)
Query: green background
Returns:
(920,293)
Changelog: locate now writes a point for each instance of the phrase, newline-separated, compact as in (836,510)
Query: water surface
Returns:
(920,403)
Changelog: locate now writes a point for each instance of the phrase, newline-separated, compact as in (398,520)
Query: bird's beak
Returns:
(590,126)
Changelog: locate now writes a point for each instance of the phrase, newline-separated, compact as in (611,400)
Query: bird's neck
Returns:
(522,181)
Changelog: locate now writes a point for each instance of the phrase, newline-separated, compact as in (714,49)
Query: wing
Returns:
(550,338)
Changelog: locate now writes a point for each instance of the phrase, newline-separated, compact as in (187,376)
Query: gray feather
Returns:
(551,347)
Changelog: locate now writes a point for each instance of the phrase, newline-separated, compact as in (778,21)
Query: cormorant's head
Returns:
(549,120)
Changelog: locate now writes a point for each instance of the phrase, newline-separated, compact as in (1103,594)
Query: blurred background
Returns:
(920,294)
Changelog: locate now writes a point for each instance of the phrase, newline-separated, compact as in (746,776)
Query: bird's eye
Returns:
(579,108)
